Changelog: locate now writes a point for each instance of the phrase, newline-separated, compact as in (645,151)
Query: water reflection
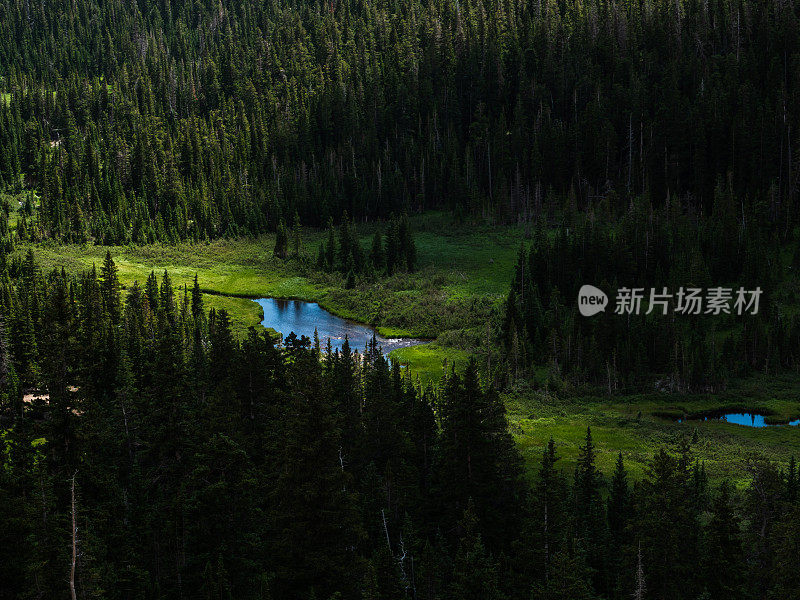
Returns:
(302,318)
(746,419)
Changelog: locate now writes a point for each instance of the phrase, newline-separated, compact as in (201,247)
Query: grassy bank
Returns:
(429,362)
(632,425)
(463,273)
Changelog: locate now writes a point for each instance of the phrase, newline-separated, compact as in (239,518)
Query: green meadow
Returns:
(637,425)
(461,278)
(464,273)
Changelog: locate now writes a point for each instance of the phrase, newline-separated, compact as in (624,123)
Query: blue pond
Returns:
(287,316)
(747,419)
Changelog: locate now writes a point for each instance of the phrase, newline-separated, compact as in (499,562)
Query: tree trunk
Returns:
(74,545)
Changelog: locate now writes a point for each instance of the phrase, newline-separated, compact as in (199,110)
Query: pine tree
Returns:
(544,526)
(316,518)
(475,573)
(151,292)
(376,252)
(723,560)
(408,249)
(330,247)
(477,458)
(346,393)
(110,289)
(569,577)
(590,523)
(297,235)
(223,407)
(10,397)
(392,253)
(618,511)
(281,249)
(385,441)
(197,300)
(666,524)
(166,303)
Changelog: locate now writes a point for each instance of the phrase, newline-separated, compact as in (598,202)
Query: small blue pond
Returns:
(747,419)
(302,318)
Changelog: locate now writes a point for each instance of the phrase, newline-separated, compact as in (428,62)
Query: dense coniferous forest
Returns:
(164,458)
(147,451)
(186,120)
(661,249)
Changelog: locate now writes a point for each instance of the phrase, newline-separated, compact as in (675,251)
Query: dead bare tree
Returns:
(74,543)
(638,594)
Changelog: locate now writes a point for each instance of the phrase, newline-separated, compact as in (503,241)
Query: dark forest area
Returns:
(188,120)
(167,459)
(150,449)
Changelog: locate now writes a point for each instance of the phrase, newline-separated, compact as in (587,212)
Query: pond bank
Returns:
(306,318)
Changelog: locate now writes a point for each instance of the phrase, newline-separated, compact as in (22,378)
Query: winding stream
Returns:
(302,318)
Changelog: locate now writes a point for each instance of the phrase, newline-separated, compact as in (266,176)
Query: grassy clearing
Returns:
(14,202)
(478,259)
(247,312)
(461,276)
(630,425)
(463,273)
(428,362)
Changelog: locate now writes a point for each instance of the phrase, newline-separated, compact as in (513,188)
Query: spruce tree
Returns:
(297,235)
(477,458)
(723,559)
(315,513)
(590,523)
(618,511)
(110,289)
(330,246)
(376,252)
(281,249)
(475,572)
(569,576)
(197,300)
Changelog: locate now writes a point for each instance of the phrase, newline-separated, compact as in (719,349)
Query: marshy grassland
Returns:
(463,276)
(636,425)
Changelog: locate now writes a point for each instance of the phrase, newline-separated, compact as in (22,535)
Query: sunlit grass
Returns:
(630,425)
(462,272)
(428,362)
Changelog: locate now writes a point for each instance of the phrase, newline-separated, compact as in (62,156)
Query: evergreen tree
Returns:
(110,289)
(723,560)
(315,515)
(666,525)
(477,457)
(197,299)
(569,577)
(376,252)
(618,511)
(297,235)
(590,523)
(475,573)
(281,249)
(330,247)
